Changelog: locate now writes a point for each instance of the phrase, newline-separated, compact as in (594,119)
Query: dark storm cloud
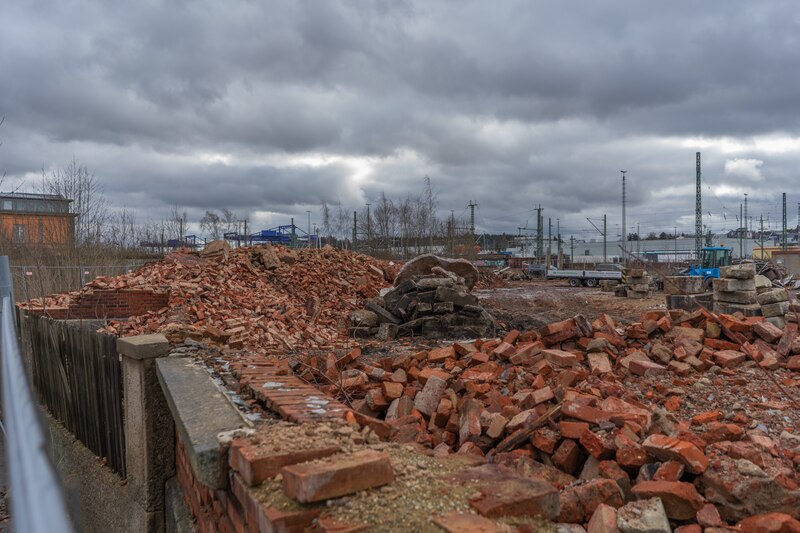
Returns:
(279,106)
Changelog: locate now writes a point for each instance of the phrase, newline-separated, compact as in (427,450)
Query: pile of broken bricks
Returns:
(256,298)
(554,405)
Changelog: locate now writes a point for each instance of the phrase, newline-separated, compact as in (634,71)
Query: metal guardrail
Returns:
(37,500)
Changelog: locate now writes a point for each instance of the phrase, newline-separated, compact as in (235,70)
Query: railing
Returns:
(37,501)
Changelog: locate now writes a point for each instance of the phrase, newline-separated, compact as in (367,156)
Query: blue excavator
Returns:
(712,259)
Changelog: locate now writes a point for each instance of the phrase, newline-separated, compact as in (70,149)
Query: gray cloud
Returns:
(278,106)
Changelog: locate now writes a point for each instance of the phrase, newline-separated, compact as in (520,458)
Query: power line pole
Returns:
(746,228)
(472,205)
(676,244)
(355,229)
(784,244)
(539,234)
(740,230)
(605,233)
(549,244)
(624,229)
(571,251)
(638,242)
(761,237)
(369,230)
(698,213)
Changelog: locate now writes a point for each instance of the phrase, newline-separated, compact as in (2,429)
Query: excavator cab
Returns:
(711,260)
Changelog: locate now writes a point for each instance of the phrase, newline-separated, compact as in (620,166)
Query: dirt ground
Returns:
(533,304)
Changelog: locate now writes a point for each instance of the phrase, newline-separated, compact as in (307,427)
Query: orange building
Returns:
(36,219)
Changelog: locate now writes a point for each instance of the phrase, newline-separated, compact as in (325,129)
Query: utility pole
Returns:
(624,228)
(746,228)
(761,237)
(572,251)
(558,243)
(472,205)
(309,228)
(549,244)
(638,242)
(784,244)
(798,215)
(698,213)
(369,230)
(605,233)
(676,243)
(740,230)
(539,234)
(355,229)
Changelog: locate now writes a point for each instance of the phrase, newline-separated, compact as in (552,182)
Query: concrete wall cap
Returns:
(143,346)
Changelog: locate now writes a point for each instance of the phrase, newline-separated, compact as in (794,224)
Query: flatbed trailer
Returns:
(589,278)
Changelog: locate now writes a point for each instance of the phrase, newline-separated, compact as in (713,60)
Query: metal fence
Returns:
(78,376)
(35,281)
(37,500)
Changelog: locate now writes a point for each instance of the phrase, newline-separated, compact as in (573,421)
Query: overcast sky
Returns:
(270,108)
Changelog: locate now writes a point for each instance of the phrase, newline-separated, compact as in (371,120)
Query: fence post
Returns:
(149,429)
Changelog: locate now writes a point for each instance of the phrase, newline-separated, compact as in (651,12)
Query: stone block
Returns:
(743,271)
(736,297)
(683,285)
(733,285)
(731,308)
(776,309)
(773,296)
(143,346)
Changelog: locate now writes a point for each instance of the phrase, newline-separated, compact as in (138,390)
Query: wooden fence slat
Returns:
(78,376)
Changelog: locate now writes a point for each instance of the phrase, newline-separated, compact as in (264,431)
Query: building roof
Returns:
(34,196)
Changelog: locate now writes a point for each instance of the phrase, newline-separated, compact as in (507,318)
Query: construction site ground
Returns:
(635,386)
(532,304)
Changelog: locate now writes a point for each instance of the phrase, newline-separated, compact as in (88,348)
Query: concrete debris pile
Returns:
(735,290)
(263,297)
(431,301)
(740,289)
(555,405)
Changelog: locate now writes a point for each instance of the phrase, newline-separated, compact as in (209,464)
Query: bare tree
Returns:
(75,182)
(212,225)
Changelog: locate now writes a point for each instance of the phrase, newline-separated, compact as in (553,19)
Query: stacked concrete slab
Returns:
(774,306)
(637,283)
(433,306)
(686,292)
(735,291)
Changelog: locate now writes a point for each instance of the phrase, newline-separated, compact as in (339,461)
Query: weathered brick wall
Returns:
(108,304)
(236,509)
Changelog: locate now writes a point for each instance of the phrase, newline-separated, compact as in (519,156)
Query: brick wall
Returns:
(108,304)
(237,509)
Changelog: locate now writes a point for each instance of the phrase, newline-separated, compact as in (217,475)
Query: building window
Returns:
(19,233)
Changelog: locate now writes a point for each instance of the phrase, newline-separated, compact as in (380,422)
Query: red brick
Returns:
(669,448)
(560,358)
(598,446)
(604,520)
(312,482)
(729,358)
(770,523)
(568,456)
(256,465)
(572,430)
(455,522)
(681,500)
(517,497)
(645,368)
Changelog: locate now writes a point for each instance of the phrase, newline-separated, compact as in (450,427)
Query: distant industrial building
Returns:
(28,219)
